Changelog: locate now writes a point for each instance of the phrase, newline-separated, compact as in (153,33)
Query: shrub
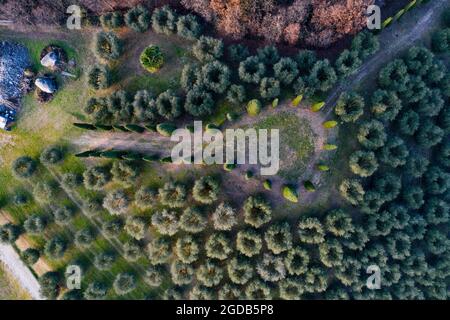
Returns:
(84,238)
(199,103)
(138,19)
(135,226)
(254,107)
(258,290)
(278,237)
(152,59)
(257,211)
(350,107)
(238,52)
(182,273)
(95,291)
(352,191)
(224,217)
(251,70)
(394,153)
(271,268)
(297,261)
(35,224)
(240,270)
(154,276)
(95,178)
(9,233)
(218,246)
(363,163)
(187,249)
(124,283)
(206,190)
(366,44)
(164,20)
(103,261)
(209,273)
(189,27)
(441,41)
(193,220)
(63,215)
(269,88)
(145,197)
(166,222)
(268,55)
(30,256)
(286,70)
(322,77)
(158,251)
(173,195)
(372,134)
(116,202)
(169,105)
(339,223)
(112,228)
(165,129)
(429,134)
(44,192)
(99,77)
(408,123)
(311,231)
(49,283)
(108,46)
(248,242)
(24,167)
(290,193)
(236,94)
(208,49)
(347,63)
(55,248)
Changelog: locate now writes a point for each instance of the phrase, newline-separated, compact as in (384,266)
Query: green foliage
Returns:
(248,242)
(63,215)
(350,107)
(209,273)
(117,202)
(138,19)
(159,251)
(71,180)
(306,59)
(218,246)
(331,253)
(166,222)
(103,261)
(254,107)
(95,291)
(238,52)
(441,41)
(251,70)
(55,248)
(352,191)
(371,134)
(193,220)
(290,193)
(322,77)
(9,233)
(173,194)
(152,59)
(339,223)
(236,94)
(50,284)
(112,20)
(408,123)
(257,211)
(154,276)
(169,105)
(278,237)
(208,49)
(394,153)
(347,63)
(182,273)
(136,226)
(258,290)
(268,55)
(144,107)
(132,251)
(99,77)
(394,76)
(437,181)
(164,20)
(108,46)
(187,249)
(112,228)
(224,217)
(24,167)
(363,163)
(30,256)
(165,129)
(385,105)
(429,134)
(189,27)
(124,283)
(388,185)
(44,192)
(215,77)
(286,70)
(240,270)
(269,88)
(271,268)
(310,230)
(145,197)
(199,103)
(35,224)
(366,44)
(84,238)
(206,190)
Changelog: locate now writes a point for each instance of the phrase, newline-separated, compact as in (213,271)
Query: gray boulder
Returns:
(47,85)
(50,60)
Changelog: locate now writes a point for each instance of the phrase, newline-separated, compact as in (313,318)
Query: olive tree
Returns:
(271,268)
(224,217)
(193,220)
(209,273)
(278,237)
(24,167)
(187,249)
(35,224)
(240,270)
(248,242)
(124,283)
(117,202)
(173,194)
(350,107)
(208,49)
(166,222)
(257,211)
(159,251)
(297,261)
(310,230)
(363,163)
(136,227)
(218,246)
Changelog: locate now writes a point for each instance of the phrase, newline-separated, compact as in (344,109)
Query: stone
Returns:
(47,85)
(50,60)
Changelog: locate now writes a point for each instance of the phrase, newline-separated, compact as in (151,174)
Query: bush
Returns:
(248,242)
(322,77)
(30,256)
(297,261)
(366,44)
(108,46)
(218,246)
(152,59)
(97,110)
(257,211)
(193,220)
(352,191)
(290,193)
(145,197)
(125,172)
(286,70)
(50,284)
(236,94)
(254,107)
(372,135)
(408,123)
(164,20)
(9,233)
(55,248)
(169,105)
(135,226)
(158,251)
(116,202)
(112,228)
(103,261)
(394,153)
(84,238)
(95,178)
(208,49)
(269,88)
(173,195)
(278,237)
(187,249)
(35,224)
(363,163)
(251,70)
(209,273)
(189,27)
(99,77)
(441,41)
(24,167)
(166,222)
(138,19)
(44,192)
(199,103)
(95,291)
(154,276)
(347,63)
(224,217)
(206,190)
(238,52)
(182,273)
(350,107)
(124,283)
(268,55)
(240,270)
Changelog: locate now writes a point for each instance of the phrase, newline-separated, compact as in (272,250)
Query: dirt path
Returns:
(20,271)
